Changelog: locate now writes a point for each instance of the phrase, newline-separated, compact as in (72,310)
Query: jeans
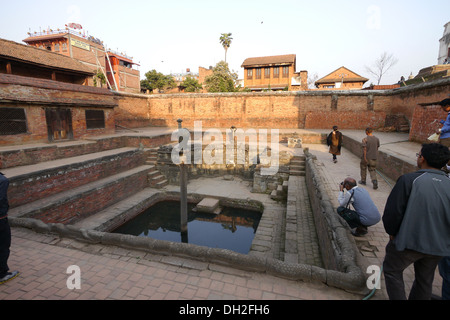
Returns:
(444,271)
(395,262)
(5,243)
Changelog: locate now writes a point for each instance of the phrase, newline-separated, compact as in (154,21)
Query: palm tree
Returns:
(225,40)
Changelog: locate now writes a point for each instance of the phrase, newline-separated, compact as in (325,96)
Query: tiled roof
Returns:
(269,60)
(352,77)
(29,54)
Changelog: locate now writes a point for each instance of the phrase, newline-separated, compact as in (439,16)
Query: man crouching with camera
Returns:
(366,214)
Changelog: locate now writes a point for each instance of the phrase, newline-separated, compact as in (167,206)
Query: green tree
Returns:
(99,76)
(191,84)
(225,40)
(222,79)
(157,80)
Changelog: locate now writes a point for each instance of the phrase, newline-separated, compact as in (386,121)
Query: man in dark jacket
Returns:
(417,219)
(5,232)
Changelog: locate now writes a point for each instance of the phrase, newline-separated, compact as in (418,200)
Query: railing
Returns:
(80,34)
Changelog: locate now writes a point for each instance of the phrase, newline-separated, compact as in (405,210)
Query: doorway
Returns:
(59,124)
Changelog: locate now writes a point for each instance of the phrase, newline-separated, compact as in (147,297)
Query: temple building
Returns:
(111,69)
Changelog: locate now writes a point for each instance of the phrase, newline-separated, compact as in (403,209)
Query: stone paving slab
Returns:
(123,274)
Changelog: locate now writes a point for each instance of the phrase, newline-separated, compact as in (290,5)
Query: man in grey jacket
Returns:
(417,219)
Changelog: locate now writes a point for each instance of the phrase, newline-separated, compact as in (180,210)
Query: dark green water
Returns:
(232,229)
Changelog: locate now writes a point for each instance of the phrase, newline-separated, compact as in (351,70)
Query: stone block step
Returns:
(161,184)
(209,205)
(157,178)
(297,173)
(153,172)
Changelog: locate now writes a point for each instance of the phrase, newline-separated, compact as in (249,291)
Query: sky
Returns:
(171,36)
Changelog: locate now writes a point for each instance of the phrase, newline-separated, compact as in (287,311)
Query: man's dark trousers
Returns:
(424,268)
(5,243)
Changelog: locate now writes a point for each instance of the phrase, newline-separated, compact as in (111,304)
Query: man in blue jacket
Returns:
(5,232)
(417,219)
(444,137)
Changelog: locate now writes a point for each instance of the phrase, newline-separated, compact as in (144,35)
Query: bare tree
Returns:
(382,65)
(312,81)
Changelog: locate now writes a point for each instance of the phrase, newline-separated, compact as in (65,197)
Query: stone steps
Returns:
(155,178)
(77,203)
(33,182)
(297,166)
(300,239)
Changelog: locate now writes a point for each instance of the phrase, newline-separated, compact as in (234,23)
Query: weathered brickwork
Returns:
(258,110)
(75,210)
(44,183)
(307,109)
(36,95)
(426,121)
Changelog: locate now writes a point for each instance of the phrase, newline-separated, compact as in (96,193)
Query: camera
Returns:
(342,183)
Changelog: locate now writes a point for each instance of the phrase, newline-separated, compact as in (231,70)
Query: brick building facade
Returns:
(341,79)
(38,110)
(273,73)
(118,67)
(23,60)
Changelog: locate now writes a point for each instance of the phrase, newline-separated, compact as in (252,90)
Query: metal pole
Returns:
(183,191)
(183,201)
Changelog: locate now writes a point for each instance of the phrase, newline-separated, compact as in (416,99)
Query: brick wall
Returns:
(410,100)
(83,205)
(255,110)
(303,109)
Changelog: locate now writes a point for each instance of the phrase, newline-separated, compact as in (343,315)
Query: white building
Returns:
(444,45)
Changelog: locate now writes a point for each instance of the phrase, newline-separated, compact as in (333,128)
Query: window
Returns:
(95,119)
(258,73)
(64,47)
(12,121)
(276,72)
(56,47)
(249,73)
(267,73)
(286,72)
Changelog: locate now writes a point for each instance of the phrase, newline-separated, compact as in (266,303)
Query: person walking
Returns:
(367,213)
(369,156)
(334,141)
(5,232)
(417,219)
